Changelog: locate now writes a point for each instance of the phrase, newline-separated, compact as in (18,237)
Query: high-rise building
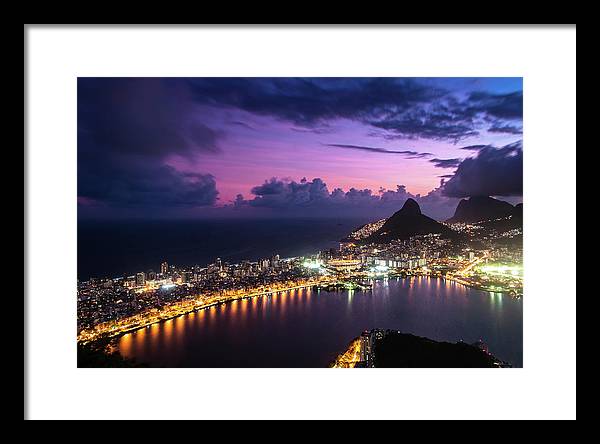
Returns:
(129,282)
(164,268)
(140,279)
(275,260)
(365,348)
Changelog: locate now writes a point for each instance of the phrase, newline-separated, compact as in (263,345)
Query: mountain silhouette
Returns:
(408,222)
(518,210)
(481,208)
(509,223)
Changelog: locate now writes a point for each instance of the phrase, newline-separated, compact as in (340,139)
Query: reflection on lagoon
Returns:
(305,328)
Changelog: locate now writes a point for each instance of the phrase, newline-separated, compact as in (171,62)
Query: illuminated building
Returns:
(264,264)
(164,268)
(129,282)
(188,276)
(140,279)
(366,348)
(366,230)
(342,265)
(346,245)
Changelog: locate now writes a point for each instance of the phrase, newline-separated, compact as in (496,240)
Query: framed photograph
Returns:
(331,207)
(228,222)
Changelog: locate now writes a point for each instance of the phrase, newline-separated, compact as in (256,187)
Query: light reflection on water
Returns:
(305,328)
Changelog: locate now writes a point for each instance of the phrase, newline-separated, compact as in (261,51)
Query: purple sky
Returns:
(204,147)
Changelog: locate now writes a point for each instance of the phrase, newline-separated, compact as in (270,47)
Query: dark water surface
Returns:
(306,328)
(111,249)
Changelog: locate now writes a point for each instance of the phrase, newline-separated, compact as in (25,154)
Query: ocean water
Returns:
(110,249)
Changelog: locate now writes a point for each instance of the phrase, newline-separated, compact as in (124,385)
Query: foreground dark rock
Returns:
(100,354)
(408,351)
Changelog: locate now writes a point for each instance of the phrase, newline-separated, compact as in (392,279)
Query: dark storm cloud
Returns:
(446,163)
(492,172)
(313,198)
(277,193)
(518,145)
(309,101)
(153,117)
(505,106)
(127,128)
(507,129)
(442,119)
(451,118)
(403,108)
(286,194)
(408,153)
(149,186)
(271,187)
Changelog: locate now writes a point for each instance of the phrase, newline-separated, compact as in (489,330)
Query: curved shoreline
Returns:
(119,334)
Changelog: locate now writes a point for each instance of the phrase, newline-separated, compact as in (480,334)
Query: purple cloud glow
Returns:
(192,146)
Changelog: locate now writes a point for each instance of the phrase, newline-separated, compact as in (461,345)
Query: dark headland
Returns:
(483,208)
(400,350)
(408,222)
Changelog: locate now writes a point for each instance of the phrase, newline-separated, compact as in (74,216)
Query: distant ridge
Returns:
(482,208)
(408,222)
(515,221)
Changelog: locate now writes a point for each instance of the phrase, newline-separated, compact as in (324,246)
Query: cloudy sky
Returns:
(287,147)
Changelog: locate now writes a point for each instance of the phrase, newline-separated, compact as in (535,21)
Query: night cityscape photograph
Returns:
(300,222)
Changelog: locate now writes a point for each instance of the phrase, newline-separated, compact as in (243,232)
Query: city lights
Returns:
(313,265)
(167,286)
(514,270)
(379,270)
